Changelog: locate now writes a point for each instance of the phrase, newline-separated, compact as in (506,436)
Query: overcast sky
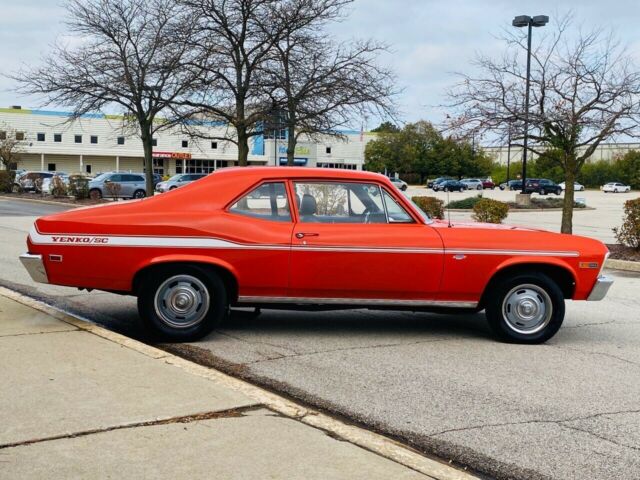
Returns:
(429,39)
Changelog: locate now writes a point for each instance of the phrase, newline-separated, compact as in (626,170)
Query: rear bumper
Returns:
(600,289)
(35,267)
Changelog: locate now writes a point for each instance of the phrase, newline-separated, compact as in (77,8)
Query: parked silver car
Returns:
(178,180)
(118,185)
(472,183)
(400,184)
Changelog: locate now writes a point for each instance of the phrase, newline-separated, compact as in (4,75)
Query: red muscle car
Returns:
(305,238)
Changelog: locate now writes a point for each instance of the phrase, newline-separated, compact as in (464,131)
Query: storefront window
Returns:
(199,166)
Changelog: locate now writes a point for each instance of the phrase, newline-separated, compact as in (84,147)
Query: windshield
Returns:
(422,213)
(102,176)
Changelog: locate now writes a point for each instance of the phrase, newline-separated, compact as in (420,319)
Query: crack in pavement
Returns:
(572,427)
(230,413)
(609,355)
(560,422)
(367,347)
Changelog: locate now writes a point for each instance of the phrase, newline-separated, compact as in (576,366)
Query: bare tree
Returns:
(322,86)
(12,144)
(129,55)
(584,92)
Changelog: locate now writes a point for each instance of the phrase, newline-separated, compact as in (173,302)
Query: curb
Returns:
(46,202)
(374,442)
(625,265)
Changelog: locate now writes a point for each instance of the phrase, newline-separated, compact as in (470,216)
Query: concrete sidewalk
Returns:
(78,401)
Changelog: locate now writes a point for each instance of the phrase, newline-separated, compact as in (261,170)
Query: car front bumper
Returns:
(35,267)
(600,289)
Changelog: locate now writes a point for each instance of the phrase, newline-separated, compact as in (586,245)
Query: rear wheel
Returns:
(479,187)
(182,303)
(95,194)
(139,194)
(526,308)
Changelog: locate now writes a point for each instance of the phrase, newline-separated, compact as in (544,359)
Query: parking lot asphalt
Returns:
(569,409)
(596,223)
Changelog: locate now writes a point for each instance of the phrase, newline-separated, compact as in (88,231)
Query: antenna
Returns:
(448,210)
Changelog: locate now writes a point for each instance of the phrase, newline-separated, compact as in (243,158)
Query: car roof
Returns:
(298,172)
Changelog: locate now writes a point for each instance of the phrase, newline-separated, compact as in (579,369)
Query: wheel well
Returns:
(227,277)
(562,276)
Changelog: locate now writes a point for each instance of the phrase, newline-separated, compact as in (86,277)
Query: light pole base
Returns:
(523,199)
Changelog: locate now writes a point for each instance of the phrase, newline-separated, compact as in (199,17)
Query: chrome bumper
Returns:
(35,267)
(601,288)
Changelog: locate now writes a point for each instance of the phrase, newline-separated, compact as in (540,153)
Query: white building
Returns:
(98,143)
(605,151)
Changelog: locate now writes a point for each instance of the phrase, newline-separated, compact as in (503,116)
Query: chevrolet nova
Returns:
(306,238)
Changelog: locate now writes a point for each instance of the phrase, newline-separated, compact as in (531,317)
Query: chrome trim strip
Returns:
(600,289)
(357,301)
(534,253)
(35,266)
(347,249)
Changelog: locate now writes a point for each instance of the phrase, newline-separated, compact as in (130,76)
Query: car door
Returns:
(355,242)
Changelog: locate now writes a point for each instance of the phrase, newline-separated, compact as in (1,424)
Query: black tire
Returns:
(445,189)
(404,188)
(497,308)
(559,191)
(542,191)
(139,194)
(209,314)
(460,189)
(95,194)
(479,187)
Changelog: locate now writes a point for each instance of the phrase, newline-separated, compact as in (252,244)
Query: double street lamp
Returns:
(529,22)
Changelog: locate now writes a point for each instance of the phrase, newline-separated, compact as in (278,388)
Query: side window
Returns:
(331,202)
(115,178)
(268,201)
(395,212)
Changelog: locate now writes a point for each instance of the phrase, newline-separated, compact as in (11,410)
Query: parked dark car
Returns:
(511,185)
(449,186)
(488,184)
(431,183)
(542,186)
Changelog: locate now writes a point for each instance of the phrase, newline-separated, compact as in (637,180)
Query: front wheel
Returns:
(526,308)
(479,187)
(139,194)
(182,303)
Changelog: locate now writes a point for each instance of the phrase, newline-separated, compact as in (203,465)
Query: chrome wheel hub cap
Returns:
(182,301)
(527,309)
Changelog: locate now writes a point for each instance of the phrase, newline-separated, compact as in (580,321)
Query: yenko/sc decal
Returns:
(101,240)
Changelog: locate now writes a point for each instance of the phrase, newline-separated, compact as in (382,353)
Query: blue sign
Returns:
(299,161)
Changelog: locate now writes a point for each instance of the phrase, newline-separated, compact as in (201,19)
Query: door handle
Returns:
(302,235)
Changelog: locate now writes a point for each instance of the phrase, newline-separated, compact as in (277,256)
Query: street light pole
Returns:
(529,22)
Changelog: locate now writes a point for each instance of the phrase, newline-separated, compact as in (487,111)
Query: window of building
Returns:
(340,202)
(214,145)
(185,143)
(268,202)
(19,136)
(345,166)
(40,137)
(94,139)
(57,137)
(199,166)
(120,140)
(3,135)
(87,168)
(51,167)
(154,142)
(77,138)
(328,150)
(158,166)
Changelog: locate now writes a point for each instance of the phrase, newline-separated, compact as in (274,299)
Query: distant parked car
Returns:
(47,183)
(488,184)
(400,184)
(430,183)
(131,185)
(511,185)
(30,181)
(472,183)
(449,186)
(542,186)
(179,180)
(615,187)
(576,186)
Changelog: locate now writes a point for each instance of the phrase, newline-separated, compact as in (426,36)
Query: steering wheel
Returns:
(367,214)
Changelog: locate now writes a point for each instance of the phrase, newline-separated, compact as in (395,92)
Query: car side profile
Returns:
(472,183)
(311,239)
(449,186)
(543,186)
(615,187)
(118,185)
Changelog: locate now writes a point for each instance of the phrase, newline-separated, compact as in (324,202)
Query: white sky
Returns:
(429,39)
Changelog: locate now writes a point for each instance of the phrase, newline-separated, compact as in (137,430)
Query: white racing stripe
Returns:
(218,243)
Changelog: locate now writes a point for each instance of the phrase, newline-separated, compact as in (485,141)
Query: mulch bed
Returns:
(620,252)
(51,198)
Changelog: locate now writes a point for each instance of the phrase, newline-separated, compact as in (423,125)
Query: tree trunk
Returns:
(243,145)
(567,207)
(147,146)
(291,145)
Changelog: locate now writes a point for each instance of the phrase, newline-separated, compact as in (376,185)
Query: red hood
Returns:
(487,226)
